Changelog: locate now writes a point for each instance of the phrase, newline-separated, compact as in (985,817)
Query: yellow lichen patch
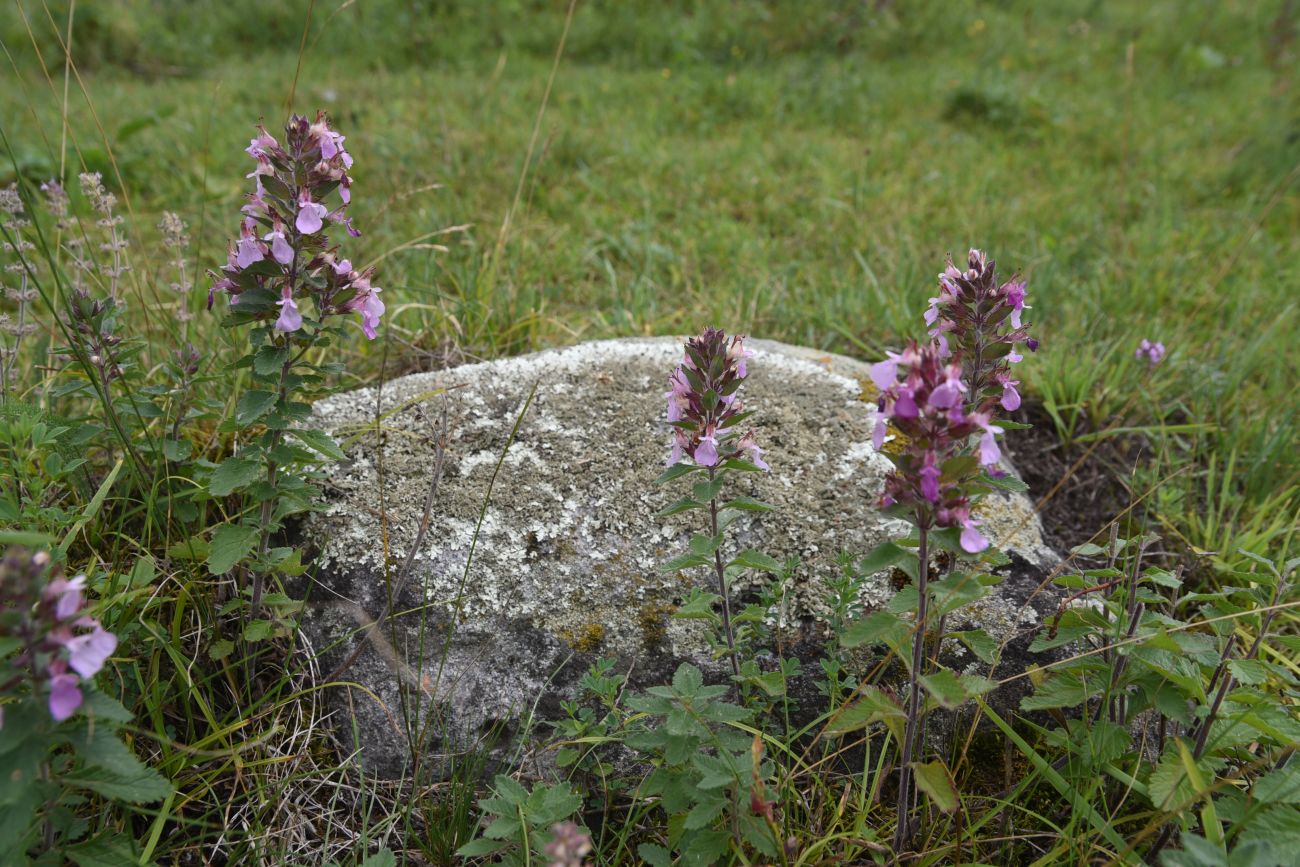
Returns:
(586,639)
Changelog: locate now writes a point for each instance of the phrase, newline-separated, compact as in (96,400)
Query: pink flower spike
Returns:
(310,214)
(65,697)
(989,451)
(930,481)
(345,190)
(70,597)
(260,147)
(971,540)
(343,267)
(1010,397)
(87,653)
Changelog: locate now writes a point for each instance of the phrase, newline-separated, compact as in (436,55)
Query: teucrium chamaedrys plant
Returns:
(942,397)
(705,411)
(58,734)
(282,260)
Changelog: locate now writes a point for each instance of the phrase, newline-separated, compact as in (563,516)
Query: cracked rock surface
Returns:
(564,564)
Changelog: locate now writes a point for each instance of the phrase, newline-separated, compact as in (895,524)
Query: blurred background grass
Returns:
(793,170)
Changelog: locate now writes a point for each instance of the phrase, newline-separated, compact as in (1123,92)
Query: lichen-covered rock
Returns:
(542,551)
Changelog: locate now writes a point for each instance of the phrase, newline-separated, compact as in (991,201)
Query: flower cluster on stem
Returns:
(283,256)
(703,406)
(60,645)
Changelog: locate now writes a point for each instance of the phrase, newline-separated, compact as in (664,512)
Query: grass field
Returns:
(788,172)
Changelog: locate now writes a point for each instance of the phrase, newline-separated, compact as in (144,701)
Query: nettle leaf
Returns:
(687,680)
(747,504)
(879,627)
(655,856)
(978,642)
(757,560)
(230,544)
(704,813)
(259,630)
(253,405)
(1248,671)
(704,546)
(871,706)
(950,691)
(706,491)
(143,788)
(1061,690)
(934,779)
(233,474)
(269,360)
(685,504)
(319,441)
(1279,787)
(1177,781)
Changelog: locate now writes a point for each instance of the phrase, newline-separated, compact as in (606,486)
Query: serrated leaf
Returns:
(756,560)
(883,556)
(1281,786)
(269,360)
(1005,483)
(220,649)
(233,474)
(703,813)
(676,471)
(104,707)
(686,561)
(383,858)
(655,856)
(253,405)
(687,680)
(978,642)
(685,504)
(230,544)
(706,490)
(481,846)
(319,441)
(177,450)
(877,627)
(146,788)
(951,691)
(933,779)
(259,630)
(108,849)
(747,504)
(1248,671)
(871,706)
(704,546)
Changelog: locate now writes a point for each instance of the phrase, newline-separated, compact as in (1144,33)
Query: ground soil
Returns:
(1078,493)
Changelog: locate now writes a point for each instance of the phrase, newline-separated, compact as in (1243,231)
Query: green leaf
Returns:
(707,490)
(233,474)
(756,560)
(879,627)
(480,847)
(319,441)
(676,471)
(951,691)
(177,450)
(884,556)
(872,705)
(99,706)
(978,642)
(146,788)
(934,779)
(703,813)
(747,504)
(258,630)
(1279,787)
(1248,671)
(687,680)
(269,360)
(1005,483)
(686,561)
(383,858)
(230,544)
(685,504)
(655,856)
(704,546)
(109,849)
(253,405)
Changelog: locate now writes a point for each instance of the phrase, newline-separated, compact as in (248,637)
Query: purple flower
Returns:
(65,697)
(885,373)
(290,318)
(310,214)
(87,653)
(371,309)
(1010,397)
(68,596)
(260,148)
(930,479)
(972,542)
(248,250)
(1153,353)
(706,453)
(747,444)
(280,249)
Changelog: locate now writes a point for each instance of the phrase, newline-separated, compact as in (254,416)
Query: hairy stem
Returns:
(906,787)
(722,581)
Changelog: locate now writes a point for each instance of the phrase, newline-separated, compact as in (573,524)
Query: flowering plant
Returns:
(59,732)
(282,260)
(942,397)
(705,411)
